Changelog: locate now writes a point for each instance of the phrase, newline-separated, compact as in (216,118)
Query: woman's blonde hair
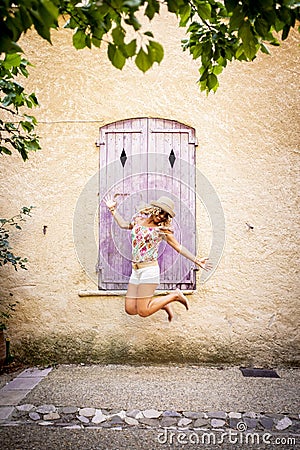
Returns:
(155,211)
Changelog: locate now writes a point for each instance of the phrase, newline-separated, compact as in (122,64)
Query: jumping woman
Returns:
(149,227)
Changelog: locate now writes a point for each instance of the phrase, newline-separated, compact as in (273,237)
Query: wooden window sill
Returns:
(121,293)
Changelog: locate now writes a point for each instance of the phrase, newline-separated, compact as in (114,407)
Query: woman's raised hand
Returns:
(110,202)
(202,262)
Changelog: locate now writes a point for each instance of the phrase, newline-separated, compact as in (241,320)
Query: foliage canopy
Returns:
(217,32)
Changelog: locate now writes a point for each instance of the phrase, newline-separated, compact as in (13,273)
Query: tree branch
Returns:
(9,110)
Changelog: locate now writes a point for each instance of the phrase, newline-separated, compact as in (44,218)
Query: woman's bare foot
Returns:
(169,311)
(182,298)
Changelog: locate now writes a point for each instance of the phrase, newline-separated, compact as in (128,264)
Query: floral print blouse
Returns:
(145,242)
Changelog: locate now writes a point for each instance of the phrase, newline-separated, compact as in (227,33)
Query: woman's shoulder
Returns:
(137,219)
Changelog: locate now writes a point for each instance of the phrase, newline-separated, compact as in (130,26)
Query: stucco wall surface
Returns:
(248,134)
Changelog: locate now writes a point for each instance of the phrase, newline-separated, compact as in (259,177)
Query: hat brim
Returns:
(163,207)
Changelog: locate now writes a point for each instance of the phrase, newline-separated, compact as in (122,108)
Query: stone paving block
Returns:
(184,422)
(133,413)
(233,421)
(34,416)
(251,423)
(99,417)
(116,420)
(87,412)
(46,409)
(266,422)
(69,410)
(199,423)
(45,423)
(83,419)
(121,414)
(51,416)
(283,424)
(152,413)
(35,372)
(131,421)
(12,397)
(6,411)
(217,423)
(149,422)
(25,408)
(21,384)
(168,421)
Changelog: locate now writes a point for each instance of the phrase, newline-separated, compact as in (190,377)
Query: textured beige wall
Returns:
(248,132)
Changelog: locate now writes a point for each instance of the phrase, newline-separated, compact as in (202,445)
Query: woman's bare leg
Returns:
(131,302)
(147,305)
(131,299)
(169,311)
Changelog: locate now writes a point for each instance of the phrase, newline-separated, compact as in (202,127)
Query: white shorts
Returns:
(146,275)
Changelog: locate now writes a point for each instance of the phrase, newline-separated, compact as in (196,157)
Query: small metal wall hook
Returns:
(250,227)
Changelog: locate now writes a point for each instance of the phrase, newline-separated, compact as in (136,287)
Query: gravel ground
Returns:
(42,438)
(168,387)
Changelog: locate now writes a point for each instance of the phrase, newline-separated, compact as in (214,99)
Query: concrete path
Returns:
(151,407)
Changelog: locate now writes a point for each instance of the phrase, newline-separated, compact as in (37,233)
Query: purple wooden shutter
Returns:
(142,159)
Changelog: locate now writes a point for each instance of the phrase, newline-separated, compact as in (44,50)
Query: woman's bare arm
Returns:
(202,262)
(121,221)
(112,205)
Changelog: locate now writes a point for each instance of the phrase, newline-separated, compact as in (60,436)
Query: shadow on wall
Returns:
(116,349)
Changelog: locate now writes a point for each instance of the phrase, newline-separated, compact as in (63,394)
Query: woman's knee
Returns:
(143,309)
(130,306)
(143,312)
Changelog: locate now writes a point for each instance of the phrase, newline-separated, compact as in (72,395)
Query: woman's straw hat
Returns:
(166,204)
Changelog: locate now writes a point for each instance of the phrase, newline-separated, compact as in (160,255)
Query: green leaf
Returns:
(12,60)
(79,39)
(116,56)
(156,51)
(197,51)
(88,41)
(152,8)
(230,4)
(204,72)
(212,82)
(217,70)
(25,17)
(248,39)
(33,99)
(96,41)
(5,150)
(118,35)
(149,33)
(285,32)
(133,22)
(261,26)
(185,14)
(131,48)
(32,145)
(49,11)
(173,6)
(143,60)
(237,18)
(204,10)
(239,52)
